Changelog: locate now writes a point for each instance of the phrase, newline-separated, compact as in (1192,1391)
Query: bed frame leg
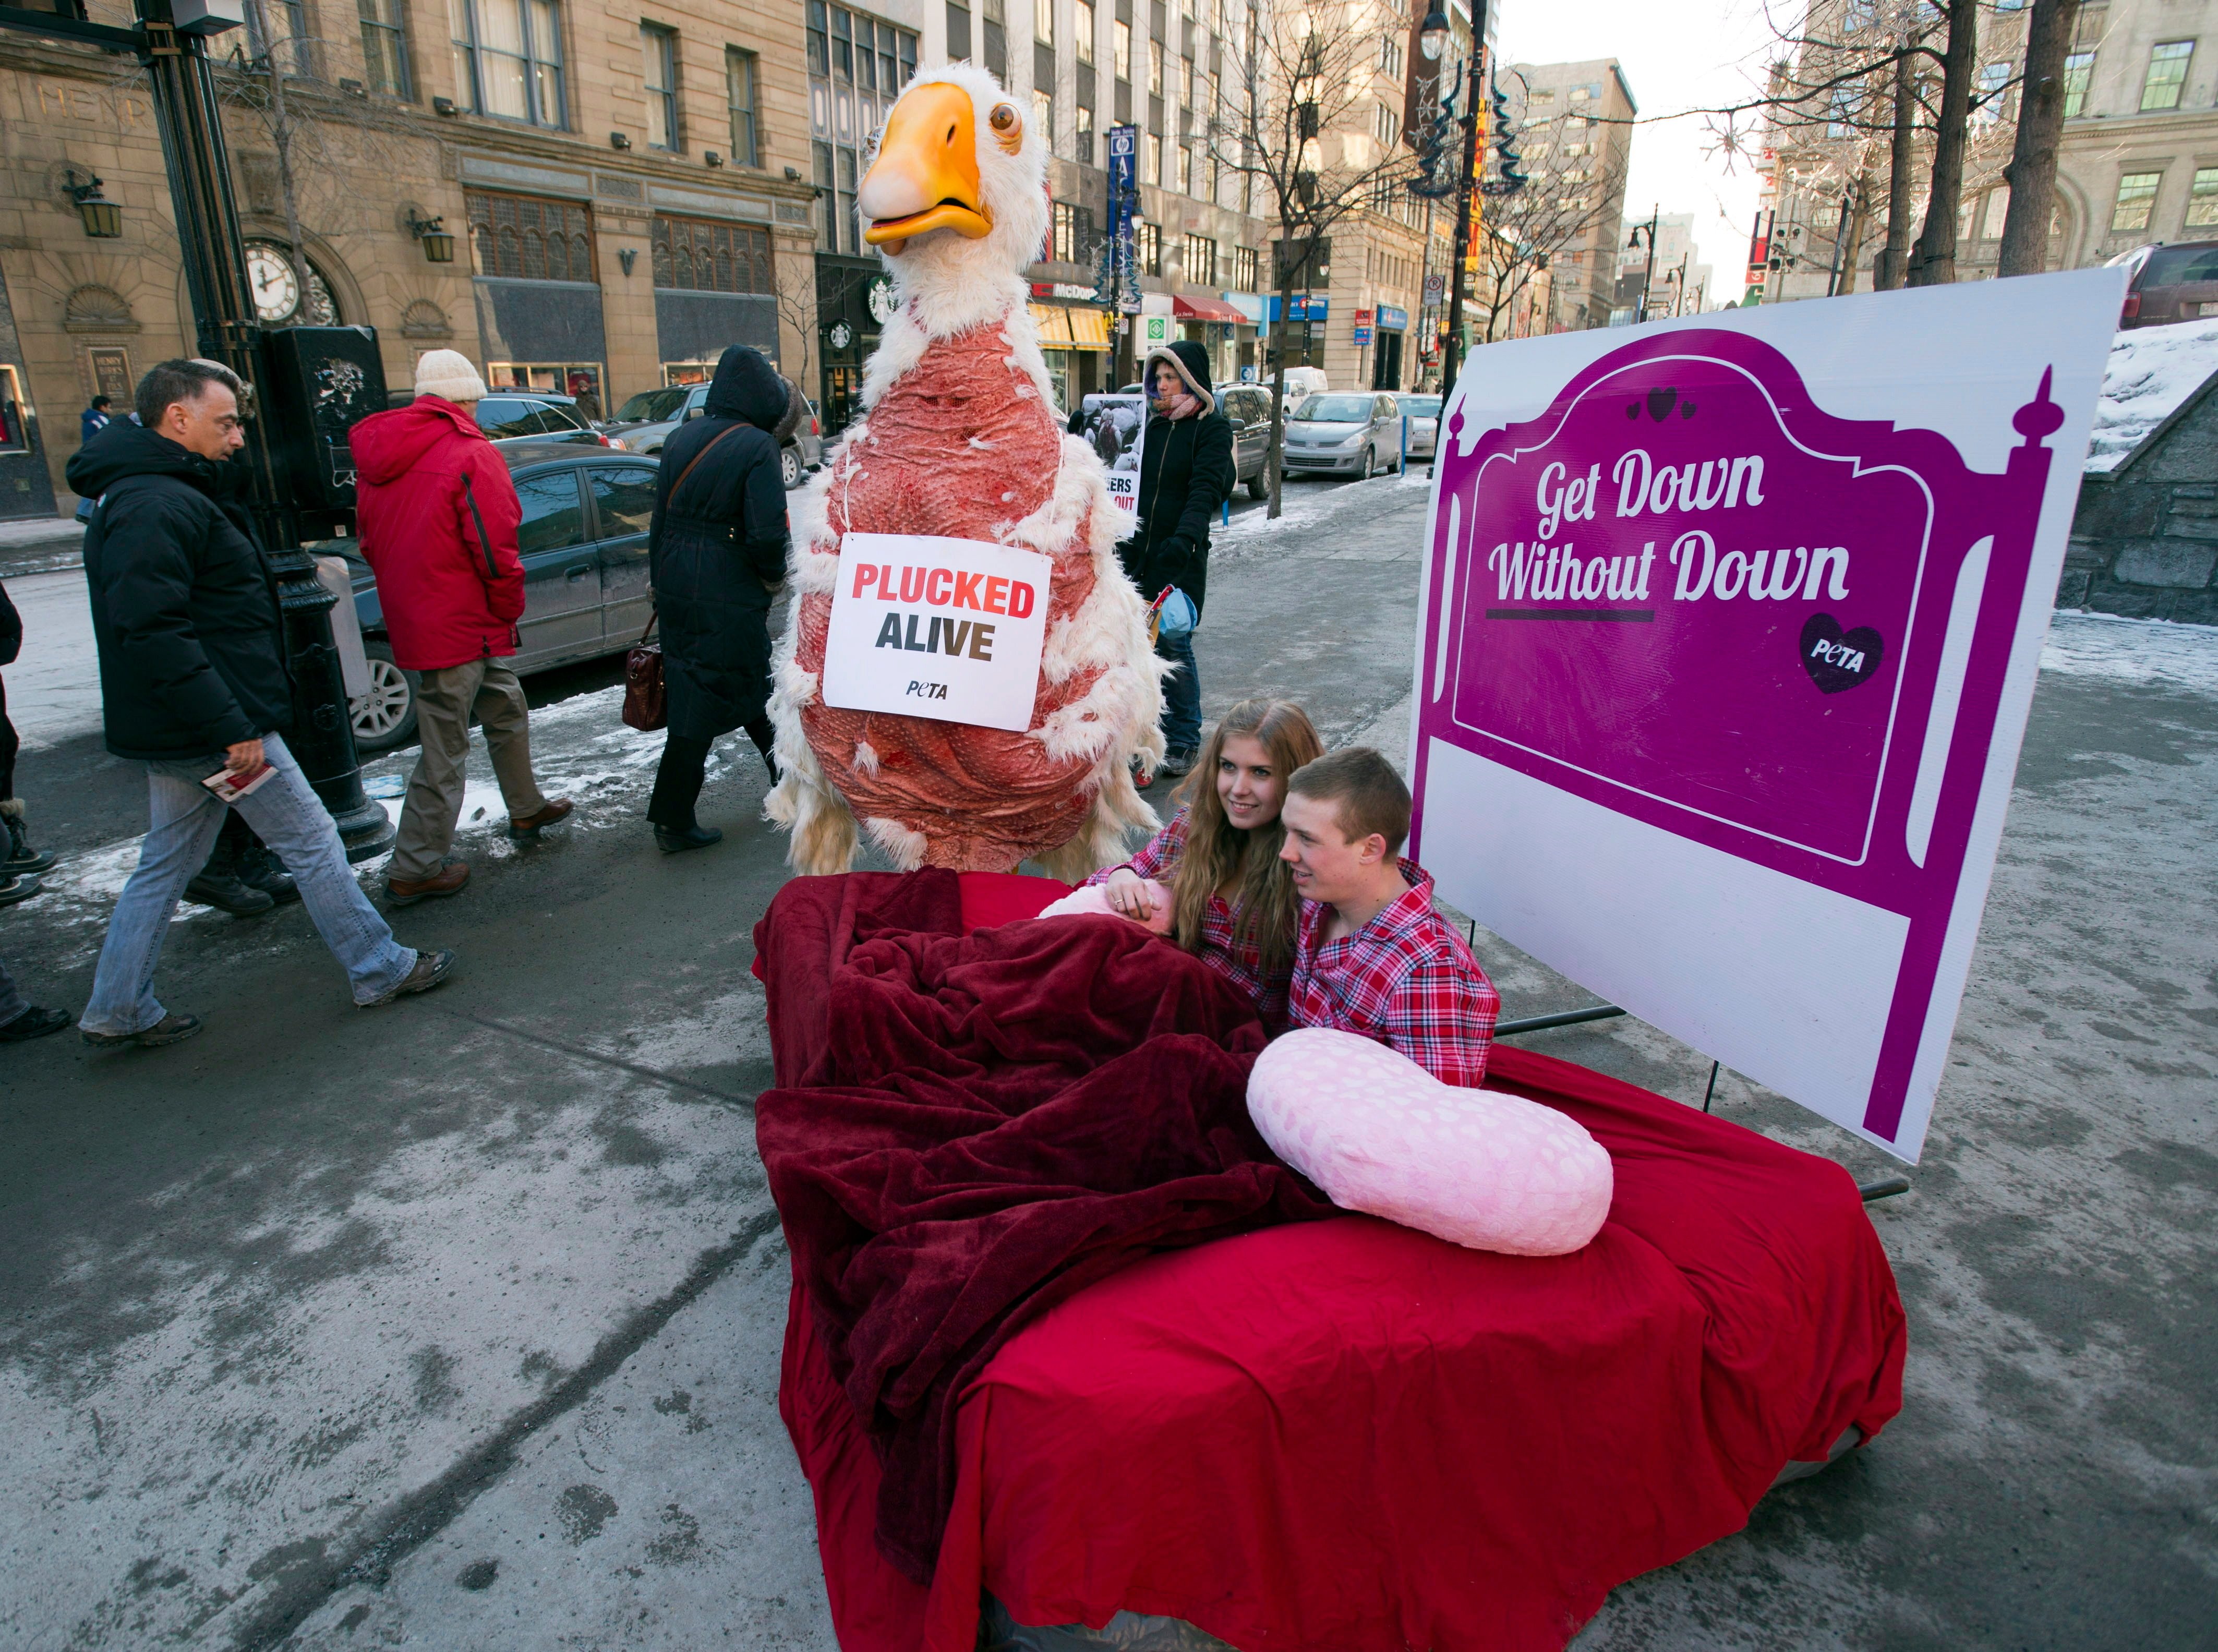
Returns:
(1710,1088)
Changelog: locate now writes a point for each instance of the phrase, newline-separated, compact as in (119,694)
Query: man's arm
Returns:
(1441,1015)
(498,516)
(150,610)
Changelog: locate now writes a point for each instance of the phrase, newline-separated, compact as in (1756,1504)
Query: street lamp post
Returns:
(1432,41)
(170,44)
(1648,274)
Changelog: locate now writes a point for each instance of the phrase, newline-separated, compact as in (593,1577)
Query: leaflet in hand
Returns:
(232,787)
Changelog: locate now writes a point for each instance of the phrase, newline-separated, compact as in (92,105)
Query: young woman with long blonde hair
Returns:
(1216,863)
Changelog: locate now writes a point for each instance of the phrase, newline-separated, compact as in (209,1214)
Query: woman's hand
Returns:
(1130,894)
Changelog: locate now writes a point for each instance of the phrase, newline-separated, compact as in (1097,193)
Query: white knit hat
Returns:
(448,373)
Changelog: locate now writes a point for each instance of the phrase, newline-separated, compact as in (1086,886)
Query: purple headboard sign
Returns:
(1724,671)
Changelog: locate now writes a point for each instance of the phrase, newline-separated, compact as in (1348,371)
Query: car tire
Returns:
(1370,464)
(385,718)
(789,465)
(1259,486)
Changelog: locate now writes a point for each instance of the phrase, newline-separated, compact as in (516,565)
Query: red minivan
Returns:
(2168,283)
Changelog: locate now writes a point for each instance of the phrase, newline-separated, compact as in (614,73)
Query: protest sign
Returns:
(946,629)
(1124,490)
(1730,628)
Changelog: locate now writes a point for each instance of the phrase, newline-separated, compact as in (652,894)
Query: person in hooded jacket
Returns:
(193,683)
(1187,472)
(716,548)
(438,518)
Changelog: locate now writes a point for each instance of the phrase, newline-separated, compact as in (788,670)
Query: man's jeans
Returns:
(184,817)
(1181,695)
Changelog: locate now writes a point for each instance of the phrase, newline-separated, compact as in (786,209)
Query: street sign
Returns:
(1436,289)
(1726,648)
(1362,335)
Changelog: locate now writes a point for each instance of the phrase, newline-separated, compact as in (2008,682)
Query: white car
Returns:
(1423,413)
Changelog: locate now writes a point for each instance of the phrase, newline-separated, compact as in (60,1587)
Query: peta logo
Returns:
(928,690)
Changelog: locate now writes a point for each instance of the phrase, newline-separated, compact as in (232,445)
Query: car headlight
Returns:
(1355,441)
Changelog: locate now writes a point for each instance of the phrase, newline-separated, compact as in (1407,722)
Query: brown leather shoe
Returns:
(556,808)
(407,891)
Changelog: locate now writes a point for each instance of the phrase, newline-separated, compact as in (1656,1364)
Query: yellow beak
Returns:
(926,175)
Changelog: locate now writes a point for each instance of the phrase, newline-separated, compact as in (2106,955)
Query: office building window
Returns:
(1148,248)
(703,256)
(1120,47)
(1082,148)
(1247,269)
(1185,170)
(1044,21)
(295,59)
(1385,125)
(385,48)
(2202,198)
(1200,261)
(2079,69)
(2167,75)
(1154,68)
(527,237)
(739,98)
(2136,199)
(856,66)
(508,59)
(996,41)
(958,34)
(1044,118)
(1151,158)
(1084,26)
(1988,100)
(660,47)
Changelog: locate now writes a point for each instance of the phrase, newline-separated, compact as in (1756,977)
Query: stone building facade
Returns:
(628,193)
(2145,536)
(1578,124)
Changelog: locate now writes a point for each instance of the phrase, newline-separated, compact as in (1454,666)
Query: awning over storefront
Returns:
(1089,330)
(1054,326)
(1206,309)
(1392,319)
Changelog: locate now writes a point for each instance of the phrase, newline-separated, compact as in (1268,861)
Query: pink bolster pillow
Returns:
(1092,899)
(1377,1133)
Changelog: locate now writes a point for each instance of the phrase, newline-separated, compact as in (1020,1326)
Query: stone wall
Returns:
(2145,537)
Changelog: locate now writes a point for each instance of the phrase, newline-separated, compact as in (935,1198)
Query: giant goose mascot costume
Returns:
(960,438)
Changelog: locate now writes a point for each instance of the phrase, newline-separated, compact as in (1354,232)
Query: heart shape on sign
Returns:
(1839,659)
(1660,400)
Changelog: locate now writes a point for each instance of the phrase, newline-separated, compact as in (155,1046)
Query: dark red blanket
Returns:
(1344,1436)
(989,1124)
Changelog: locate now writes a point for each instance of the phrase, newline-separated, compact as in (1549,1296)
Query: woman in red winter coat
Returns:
(438,518)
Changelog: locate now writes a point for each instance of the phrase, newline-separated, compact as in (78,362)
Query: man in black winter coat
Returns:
(1186,472)
(716,548)
(193,683)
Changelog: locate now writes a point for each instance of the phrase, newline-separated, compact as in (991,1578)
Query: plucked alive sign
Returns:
(1730,629)
(950,629)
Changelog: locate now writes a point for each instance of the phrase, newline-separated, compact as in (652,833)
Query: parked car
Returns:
(1423,413)
(583,545)
(510,414)
(1247,408)
(2168,283)
(644,423)
(1343,434)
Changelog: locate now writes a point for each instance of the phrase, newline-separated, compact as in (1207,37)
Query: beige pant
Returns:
(444,702)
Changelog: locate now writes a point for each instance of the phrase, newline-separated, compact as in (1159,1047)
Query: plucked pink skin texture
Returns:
(961,445)
(1479,1168)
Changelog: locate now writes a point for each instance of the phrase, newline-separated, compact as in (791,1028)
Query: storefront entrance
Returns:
(1386,362)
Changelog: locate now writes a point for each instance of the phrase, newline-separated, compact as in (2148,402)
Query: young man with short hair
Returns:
(1372,955)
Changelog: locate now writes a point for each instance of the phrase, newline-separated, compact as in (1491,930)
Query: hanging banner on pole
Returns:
(1729,632)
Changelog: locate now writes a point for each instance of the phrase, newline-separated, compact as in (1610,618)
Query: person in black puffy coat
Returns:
(1186,472)
(716,550)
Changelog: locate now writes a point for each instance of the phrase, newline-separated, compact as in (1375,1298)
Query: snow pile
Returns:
(2148,653)
(2152,371)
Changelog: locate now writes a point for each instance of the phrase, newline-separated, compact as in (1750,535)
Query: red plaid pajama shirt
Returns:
(1405,979)
(1239,960)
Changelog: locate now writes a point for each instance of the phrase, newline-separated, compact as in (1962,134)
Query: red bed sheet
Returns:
(1350,1437)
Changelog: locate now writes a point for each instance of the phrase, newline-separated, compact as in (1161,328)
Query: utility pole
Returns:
(170,43)
(1648,273)
(1433,38)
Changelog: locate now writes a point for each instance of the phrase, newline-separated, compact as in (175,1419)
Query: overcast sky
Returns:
(1674,58)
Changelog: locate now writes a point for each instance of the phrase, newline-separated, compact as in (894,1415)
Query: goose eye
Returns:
(1002,118)
(1008,128)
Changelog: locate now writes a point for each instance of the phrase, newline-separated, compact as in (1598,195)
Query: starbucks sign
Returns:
(881,300)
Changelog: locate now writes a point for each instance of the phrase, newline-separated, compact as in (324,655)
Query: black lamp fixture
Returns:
(619,140)
(104,218)
(1433,35)
(710,158)
(439,245)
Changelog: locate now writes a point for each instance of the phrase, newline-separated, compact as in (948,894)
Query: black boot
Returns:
(260,868)
(218,883)
(15,886)
(21,856)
